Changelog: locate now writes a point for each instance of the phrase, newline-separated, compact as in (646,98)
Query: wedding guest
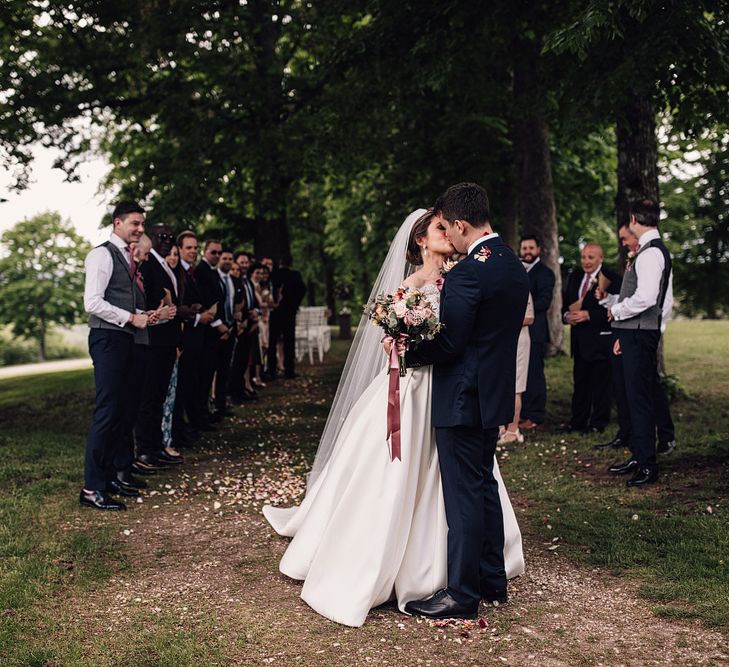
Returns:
(256,274)
(240,387)
(290,288)
(168,427)
(637,317)
(511,431)
(541,287)
(161,289)
(666,433)
(264,294)
(590,342)
(268,263)
(213,300)
(115,305)
(227,340)
(195,321)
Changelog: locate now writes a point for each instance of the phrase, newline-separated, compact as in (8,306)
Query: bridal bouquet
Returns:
(407,318)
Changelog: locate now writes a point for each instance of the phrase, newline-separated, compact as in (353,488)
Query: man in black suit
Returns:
(289,289)
(474,370)
(590,341)
(249,310)
(227,341)
(195,321)
(161,288)
(541,286)
(212,299)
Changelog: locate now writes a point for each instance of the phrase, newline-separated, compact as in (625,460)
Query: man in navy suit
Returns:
(474,371)
(541,285)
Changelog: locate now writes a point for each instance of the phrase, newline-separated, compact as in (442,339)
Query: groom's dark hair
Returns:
(464,201)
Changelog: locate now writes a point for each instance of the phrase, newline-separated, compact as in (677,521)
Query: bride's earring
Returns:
(425,251)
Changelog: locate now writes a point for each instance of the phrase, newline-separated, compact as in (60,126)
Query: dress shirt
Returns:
(229,291)
(480,240)
(166,267)
(99,267)
(649,265)
(586,279)
(187,267)
(217,321)
(528,266)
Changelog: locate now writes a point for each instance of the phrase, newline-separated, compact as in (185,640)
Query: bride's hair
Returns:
(419,230)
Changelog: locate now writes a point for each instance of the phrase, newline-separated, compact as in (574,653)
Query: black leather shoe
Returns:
(568,428)
(150,462)
(643,475)
(137,469)
(100,500)
(125,478)
(122,490)
(665,448)
(618,442)
(441,605)
(623,468)
(169,459)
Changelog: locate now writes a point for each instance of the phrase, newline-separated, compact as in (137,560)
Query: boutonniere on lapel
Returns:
(629,263)
(483,254)
(447,266)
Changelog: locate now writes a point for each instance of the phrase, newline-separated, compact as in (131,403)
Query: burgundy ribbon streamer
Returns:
(393,396)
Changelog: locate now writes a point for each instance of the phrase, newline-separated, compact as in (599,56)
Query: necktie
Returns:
(132,263)
(228,310)
(585,285)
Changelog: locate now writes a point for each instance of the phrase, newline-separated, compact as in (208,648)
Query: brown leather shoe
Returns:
(527,425)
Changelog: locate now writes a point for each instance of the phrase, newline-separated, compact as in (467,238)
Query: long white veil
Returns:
(366,358)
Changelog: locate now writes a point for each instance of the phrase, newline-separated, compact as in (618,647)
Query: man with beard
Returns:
(541,286)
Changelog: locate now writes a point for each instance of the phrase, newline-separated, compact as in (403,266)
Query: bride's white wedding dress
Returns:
(371,529)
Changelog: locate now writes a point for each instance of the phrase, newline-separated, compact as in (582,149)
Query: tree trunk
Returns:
(42,338)
(535,189)
(508,225)
(637,157)
(635,131)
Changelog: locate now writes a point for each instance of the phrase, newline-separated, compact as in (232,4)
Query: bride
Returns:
(371,529)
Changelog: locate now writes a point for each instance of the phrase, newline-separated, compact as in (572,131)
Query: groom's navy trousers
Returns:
(483,303)
(473,509)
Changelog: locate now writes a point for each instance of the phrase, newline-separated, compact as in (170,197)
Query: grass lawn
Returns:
(670,542)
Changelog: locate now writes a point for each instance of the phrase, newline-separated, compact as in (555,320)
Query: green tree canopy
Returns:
(41,277)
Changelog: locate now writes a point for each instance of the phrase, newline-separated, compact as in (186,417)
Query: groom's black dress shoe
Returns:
(125,478)
(168,459)
(441,605)
(618,442)
(643,475)
(623,468)
(149,462)
(100,500)
(119,489)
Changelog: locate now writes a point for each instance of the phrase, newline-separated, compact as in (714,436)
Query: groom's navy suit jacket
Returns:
(474,356)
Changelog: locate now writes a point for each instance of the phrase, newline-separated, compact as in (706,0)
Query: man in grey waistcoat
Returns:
(636,319)
(115,304)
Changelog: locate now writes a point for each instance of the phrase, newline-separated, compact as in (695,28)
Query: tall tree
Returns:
(41,277)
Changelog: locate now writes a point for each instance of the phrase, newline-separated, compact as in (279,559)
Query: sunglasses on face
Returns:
(214,252)
(165,237)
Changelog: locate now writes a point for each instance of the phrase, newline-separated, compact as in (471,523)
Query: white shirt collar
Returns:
(649,236)
(159,258)
(480,240)
(185,265)
(118,241)
(528,266)
(222,274)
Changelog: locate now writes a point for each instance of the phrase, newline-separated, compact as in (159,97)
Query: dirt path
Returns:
(202,568)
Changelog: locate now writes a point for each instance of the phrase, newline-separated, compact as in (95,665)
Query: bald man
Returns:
(590,342)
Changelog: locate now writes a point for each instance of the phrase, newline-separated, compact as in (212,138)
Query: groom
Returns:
(474,367)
